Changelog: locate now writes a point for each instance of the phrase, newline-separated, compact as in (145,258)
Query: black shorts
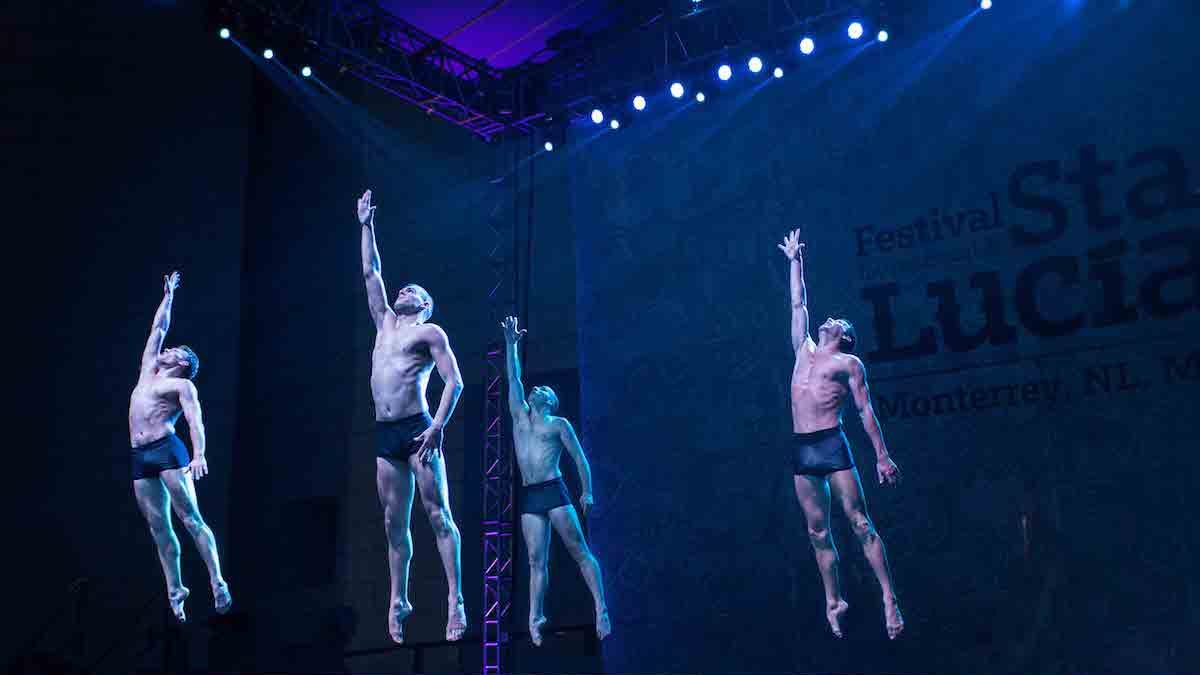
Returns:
(820,453)
(394,439)
(155,457)
(542,498)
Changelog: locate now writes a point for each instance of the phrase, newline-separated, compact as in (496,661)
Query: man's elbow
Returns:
(867,415)
(370,272)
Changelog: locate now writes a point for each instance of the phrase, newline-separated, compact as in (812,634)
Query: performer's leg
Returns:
(849,491)
(813,493)
(394,481)
(435,497)
(566,523)
(536,529)
(183,499)
(154,502)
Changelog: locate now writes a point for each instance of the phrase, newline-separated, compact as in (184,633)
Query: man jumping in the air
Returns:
(824,374)
(162,473)
(540,438)
(409,441)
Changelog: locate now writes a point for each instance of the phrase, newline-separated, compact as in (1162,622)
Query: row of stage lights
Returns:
(755,65)
(855,30)
(267,53)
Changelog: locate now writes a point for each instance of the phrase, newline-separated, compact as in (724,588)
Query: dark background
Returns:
(1031,538)
(1038,537)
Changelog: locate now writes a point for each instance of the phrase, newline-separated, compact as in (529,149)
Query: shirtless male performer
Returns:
(539,438)
(408,440)
(824,374)
(162,472)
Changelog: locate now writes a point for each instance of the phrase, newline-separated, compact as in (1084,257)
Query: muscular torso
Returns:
(400,368)
(153,409)
(538,446)
(820,383)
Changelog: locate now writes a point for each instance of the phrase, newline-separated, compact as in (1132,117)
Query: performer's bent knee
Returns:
(194,524)
(441,522)
(864,528)
(820,537)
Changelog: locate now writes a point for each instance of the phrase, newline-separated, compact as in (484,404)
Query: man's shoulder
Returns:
(431,331)
(853,363)
(175,385)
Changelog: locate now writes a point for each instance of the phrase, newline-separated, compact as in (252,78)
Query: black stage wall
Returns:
(143,143)
(125,144)
(1008,214)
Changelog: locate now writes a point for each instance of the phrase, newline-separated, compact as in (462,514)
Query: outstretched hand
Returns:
(512,333)
(366,212)
(170,283)
(431,444)
(791,246)
(197,468)
(887,471)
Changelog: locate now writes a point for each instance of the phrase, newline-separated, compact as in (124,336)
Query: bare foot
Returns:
(456,624)
(177,598)
(603,624)
(535,630)
(834,612)
(892,618)
(397,613)
(222,600)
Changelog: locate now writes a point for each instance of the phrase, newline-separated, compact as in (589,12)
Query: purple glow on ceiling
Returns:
(506,37)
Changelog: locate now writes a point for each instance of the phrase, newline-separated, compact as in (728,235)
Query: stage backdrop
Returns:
(1005,205)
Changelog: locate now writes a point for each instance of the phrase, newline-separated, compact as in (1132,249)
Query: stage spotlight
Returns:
(807,45)
(724,72)
(224,33)
(597,116)
(614,124)
(548,146)
(306,71)
(699,97)
(268,54)
(677,89)
(778,72)
(882,36)
(985,4)
(755,64)
(855,30)
(639,102)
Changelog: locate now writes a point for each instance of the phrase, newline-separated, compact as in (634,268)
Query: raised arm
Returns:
(570,441)
(371,265)
(189,401)
(447,367)
(885,469)
(516,389)
(162,322)
(794,250)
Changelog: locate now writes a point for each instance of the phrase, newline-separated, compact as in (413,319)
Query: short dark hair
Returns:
(849,338)
(426,297)
(193,361)
(553,401)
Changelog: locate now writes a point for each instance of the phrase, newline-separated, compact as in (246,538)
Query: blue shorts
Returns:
(158,456)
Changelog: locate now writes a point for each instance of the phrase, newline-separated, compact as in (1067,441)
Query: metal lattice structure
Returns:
(498,516)
(361,39)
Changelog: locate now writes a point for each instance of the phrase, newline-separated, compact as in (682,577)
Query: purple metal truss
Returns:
(498,514)
(360,38)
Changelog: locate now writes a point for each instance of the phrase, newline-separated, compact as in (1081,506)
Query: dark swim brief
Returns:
(155,457)
(542,498)
(394,439)
(821,452)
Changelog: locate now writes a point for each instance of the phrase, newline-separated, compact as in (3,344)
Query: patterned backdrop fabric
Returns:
(1005,206)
